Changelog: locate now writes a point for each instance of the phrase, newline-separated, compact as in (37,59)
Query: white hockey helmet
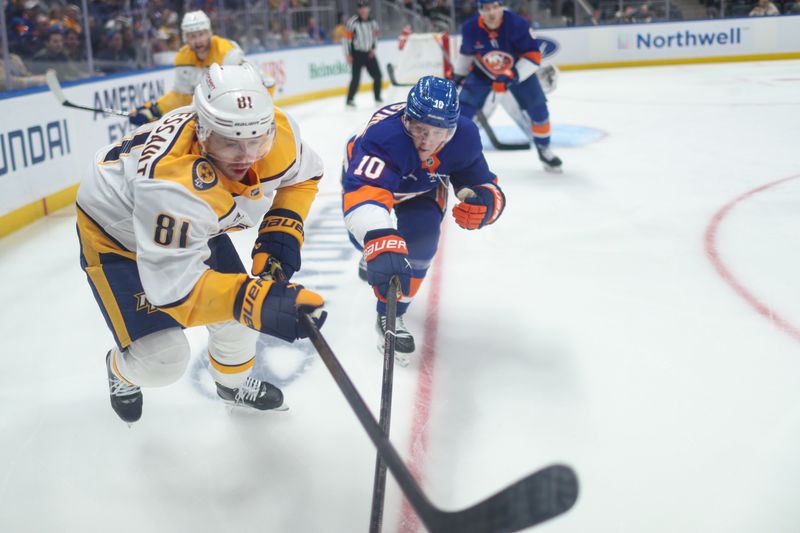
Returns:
(232,102)
(195,21)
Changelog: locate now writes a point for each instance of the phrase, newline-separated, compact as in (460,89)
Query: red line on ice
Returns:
(409,523)
(713,254)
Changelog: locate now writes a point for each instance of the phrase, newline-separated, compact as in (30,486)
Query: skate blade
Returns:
(239,409)
(553,170)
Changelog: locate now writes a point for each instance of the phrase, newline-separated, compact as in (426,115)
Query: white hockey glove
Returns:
(548,77)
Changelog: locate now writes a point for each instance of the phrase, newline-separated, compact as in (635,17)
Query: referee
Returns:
(360,40)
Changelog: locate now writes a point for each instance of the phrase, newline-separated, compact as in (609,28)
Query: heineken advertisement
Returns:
(324,70)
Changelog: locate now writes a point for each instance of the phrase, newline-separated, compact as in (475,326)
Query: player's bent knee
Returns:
(158,359)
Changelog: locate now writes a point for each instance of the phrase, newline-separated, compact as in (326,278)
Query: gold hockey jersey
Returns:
(189,70)
(155,198)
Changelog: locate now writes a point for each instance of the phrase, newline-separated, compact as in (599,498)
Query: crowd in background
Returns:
(131,34)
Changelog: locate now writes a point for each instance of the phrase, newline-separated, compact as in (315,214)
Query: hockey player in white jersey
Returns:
(152,220)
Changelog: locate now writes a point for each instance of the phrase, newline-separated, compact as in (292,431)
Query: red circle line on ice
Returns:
(713,255)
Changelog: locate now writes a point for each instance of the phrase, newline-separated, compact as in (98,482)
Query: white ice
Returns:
(588,326)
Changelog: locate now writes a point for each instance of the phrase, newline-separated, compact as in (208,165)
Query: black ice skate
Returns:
(551,162)
(126,400)
(254,393)
(403,341)
(362,268)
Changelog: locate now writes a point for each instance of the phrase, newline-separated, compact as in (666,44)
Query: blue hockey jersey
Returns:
(382,167)
(495,51)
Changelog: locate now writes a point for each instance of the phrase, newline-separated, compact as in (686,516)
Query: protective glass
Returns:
(236,151)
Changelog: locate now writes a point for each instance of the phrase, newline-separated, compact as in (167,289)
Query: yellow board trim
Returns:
(28,214)
(325,93)
(683,61)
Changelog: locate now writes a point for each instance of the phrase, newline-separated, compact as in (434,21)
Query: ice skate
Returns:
(255,394)
(403,342)
(551,162)
(126,400)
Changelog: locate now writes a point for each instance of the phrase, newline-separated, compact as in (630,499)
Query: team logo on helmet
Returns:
(497,61)
(203,175)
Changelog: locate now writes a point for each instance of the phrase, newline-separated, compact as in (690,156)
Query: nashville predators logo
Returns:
(142,303)
(203,175)
(497,62)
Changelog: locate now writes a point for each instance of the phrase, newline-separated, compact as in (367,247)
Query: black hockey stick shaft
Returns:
(540,496)
(385,418)
(55,87)
(393,79)
(497,143)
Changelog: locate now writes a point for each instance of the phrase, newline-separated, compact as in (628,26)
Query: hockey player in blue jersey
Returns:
(405,161)
(499,52)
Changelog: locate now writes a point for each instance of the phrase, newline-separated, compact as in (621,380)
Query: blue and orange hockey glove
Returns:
(144,114)
(505,79)
(280,236)
(479,206)
(274,307)
(386,254)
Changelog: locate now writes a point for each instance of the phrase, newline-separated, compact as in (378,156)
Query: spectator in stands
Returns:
(73,46)
(597,17)
(21,77)
(340,30)
(644,14)
(71,18)
(53,56)
(764,8)
(315,33)
(115,56)
(793,8)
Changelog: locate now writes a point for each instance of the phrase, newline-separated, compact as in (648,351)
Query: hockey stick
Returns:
(497,143)
(55,88)
(379,484)
(390,70)
(540,496)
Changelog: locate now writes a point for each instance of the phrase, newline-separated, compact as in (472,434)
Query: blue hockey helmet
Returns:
(434,101)
(484,2)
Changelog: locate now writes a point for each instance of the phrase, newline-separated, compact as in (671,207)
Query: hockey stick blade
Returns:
(390,70)
(497,143)
(540,496)
(55,87)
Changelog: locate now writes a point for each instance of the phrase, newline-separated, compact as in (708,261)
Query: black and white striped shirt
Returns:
(362,35)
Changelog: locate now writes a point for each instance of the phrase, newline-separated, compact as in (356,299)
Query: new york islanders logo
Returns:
(497,61)
(203,175)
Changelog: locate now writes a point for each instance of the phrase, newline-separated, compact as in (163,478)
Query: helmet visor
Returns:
(428,136)
(236,151)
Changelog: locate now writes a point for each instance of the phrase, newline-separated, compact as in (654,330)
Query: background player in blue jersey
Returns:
(499,52)
(404,162)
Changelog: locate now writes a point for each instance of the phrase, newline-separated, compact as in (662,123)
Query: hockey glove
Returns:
(548,78)
(280,236)
(385,252)
(480,206)
(505,79)
(144,114)
(274,307)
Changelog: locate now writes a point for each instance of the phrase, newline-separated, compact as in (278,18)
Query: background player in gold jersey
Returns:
(152,220)
(201,50)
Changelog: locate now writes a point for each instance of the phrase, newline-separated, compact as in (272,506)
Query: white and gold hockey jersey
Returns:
(155,198)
